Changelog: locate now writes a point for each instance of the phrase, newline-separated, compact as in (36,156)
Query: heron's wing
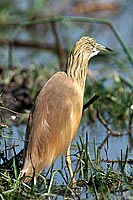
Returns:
(55,118)
(28,132)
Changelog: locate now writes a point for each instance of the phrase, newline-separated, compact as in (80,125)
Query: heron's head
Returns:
(88,47)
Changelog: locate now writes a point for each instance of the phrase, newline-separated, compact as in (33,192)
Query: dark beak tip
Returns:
(108,49)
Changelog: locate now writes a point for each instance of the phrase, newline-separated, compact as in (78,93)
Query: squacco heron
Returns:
(56,114)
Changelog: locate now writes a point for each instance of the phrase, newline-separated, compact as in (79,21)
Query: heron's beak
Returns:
(102,48)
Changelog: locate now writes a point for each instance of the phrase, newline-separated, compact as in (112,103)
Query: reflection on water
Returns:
(13,137)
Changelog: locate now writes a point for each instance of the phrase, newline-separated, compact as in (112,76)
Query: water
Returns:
(13,136)
(113,145)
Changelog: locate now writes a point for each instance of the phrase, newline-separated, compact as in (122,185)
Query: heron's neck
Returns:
(76,68)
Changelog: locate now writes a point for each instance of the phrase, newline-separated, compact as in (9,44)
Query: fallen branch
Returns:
(130,161)
(28,44)
(12,111)
(104,141)
(91,101)
(109,130)
(104,123)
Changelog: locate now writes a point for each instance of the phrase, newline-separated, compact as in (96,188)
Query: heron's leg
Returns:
(68,163)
